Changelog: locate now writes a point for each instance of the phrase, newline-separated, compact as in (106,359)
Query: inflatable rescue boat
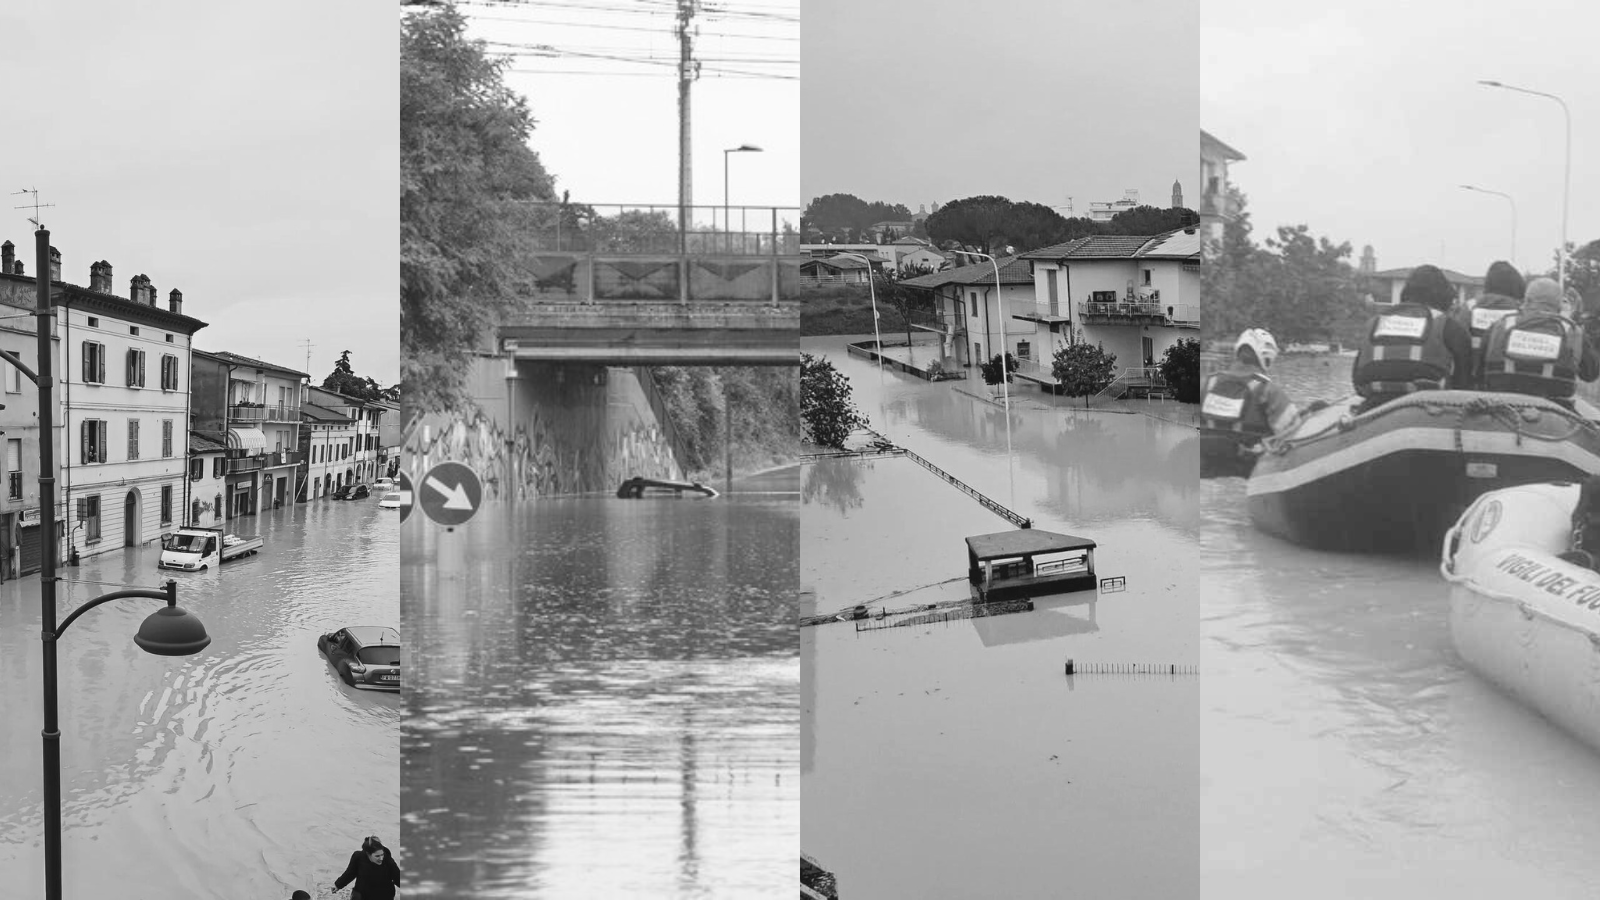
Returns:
(1394,478)
(1519,615)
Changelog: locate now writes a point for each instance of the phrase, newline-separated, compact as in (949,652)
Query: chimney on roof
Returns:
(150,294)
(139,289)
(175,301)
(55,264)
(8,256)
(100,277)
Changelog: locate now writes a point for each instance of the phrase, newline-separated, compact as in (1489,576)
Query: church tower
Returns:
(1369,263)
(1177,196)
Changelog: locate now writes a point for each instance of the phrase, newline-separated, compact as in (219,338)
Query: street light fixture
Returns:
(727,224)
(170,631)
(1513,201)
(1566,183)
(872,292)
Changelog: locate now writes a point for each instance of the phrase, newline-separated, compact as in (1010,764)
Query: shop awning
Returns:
(251,439)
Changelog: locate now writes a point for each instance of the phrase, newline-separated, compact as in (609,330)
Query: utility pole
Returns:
(688,70)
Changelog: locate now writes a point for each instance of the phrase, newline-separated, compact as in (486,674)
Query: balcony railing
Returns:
(1126,312)
(242,464)
(280,458)
(253,413)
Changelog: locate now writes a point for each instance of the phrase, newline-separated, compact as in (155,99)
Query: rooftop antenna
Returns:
(309,345)
(36,205)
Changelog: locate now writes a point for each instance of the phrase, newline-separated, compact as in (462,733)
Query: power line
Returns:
(636,28)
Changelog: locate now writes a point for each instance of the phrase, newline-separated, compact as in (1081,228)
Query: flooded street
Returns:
(1346,746)
(956,759)
(603,698)
(249,769)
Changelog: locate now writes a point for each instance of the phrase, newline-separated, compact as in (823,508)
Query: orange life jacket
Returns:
(1533,353)
(1404,352)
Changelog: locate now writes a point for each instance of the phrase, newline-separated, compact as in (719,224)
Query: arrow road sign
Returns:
(450,493)
(405,496)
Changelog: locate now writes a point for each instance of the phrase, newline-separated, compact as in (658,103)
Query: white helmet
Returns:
(1261,342)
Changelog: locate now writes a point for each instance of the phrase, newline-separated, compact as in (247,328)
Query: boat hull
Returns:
(1520,616)
(1396,478)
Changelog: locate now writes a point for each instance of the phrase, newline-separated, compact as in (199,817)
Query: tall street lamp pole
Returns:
(727,224)
(1005,371)
(171,631)
(1566,182)
(1513,201)
(872,292)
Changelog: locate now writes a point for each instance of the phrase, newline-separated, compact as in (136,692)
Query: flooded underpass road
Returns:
(1348,751)
(605,698)
(957,759)
(248,770)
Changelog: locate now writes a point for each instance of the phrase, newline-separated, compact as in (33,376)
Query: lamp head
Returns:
(1490,83)
(172,631)
(744,148)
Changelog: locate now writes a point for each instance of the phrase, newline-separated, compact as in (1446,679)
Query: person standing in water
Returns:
(373,870)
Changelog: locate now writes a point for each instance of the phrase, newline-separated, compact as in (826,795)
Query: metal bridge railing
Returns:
(653,230)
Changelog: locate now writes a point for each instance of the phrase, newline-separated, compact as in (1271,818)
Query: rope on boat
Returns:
(1513,414)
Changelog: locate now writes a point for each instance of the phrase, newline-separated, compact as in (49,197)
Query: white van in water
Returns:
(192,549)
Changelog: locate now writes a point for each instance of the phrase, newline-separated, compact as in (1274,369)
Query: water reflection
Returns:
(833,482)
(1339,718)
(610,709)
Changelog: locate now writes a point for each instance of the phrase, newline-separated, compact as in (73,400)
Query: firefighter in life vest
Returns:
(1538,350)
(1502,295)
(1241,406)
(1414,345)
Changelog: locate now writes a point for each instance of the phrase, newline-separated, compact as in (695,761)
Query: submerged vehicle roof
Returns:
(370,635)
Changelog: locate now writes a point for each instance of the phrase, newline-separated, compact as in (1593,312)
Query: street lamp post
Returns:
(1513,201)
(1566,181)
(170,631)
(1005,370)
(727,225)
(877,337)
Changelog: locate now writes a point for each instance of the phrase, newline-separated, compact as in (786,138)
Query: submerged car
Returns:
(365,656)
(352,492)
(390,500)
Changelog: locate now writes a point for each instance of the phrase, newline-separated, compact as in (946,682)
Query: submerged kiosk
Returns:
(1028,563)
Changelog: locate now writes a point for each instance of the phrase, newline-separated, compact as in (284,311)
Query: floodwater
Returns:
(603,698)
(249,770)
(1347,750)
(957,759)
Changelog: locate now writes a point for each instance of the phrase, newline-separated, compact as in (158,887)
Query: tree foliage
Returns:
(991,369)
(850,214)
(1151,220)
(991,224)
(1299,287)
(465,170)
(1180,366)
(904,300)
(344,380)
(1083,370)
(761,402)
(827,414)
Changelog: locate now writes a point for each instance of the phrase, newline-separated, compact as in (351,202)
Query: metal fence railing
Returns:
(654,230)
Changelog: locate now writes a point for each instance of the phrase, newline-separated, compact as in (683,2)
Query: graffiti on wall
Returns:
(545,459)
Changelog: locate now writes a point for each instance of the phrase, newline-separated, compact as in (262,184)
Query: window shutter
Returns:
(141,367)
(83,442)
(103,429)
(128,368)
(86,363)
(100,364)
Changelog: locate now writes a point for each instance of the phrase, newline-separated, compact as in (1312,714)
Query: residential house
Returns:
(388,439)
(253,407)
(887,232)
(21,550)
(1134,296)
(1388,283)
(918,256)
(1216,206)
(971,320)
(362,461)
(327,447)
(125,393)
(837,270)
(208,485)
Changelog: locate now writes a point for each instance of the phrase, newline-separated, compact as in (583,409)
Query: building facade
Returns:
(1216,206)
(253,408)
(969,320)
(21,547)
(1133,296)
(208,487)
(327,446)
(125,395)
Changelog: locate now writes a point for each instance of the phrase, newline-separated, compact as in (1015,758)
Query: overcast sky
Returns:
(244,153)
(605,96)
(923,101)
(1361,118)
